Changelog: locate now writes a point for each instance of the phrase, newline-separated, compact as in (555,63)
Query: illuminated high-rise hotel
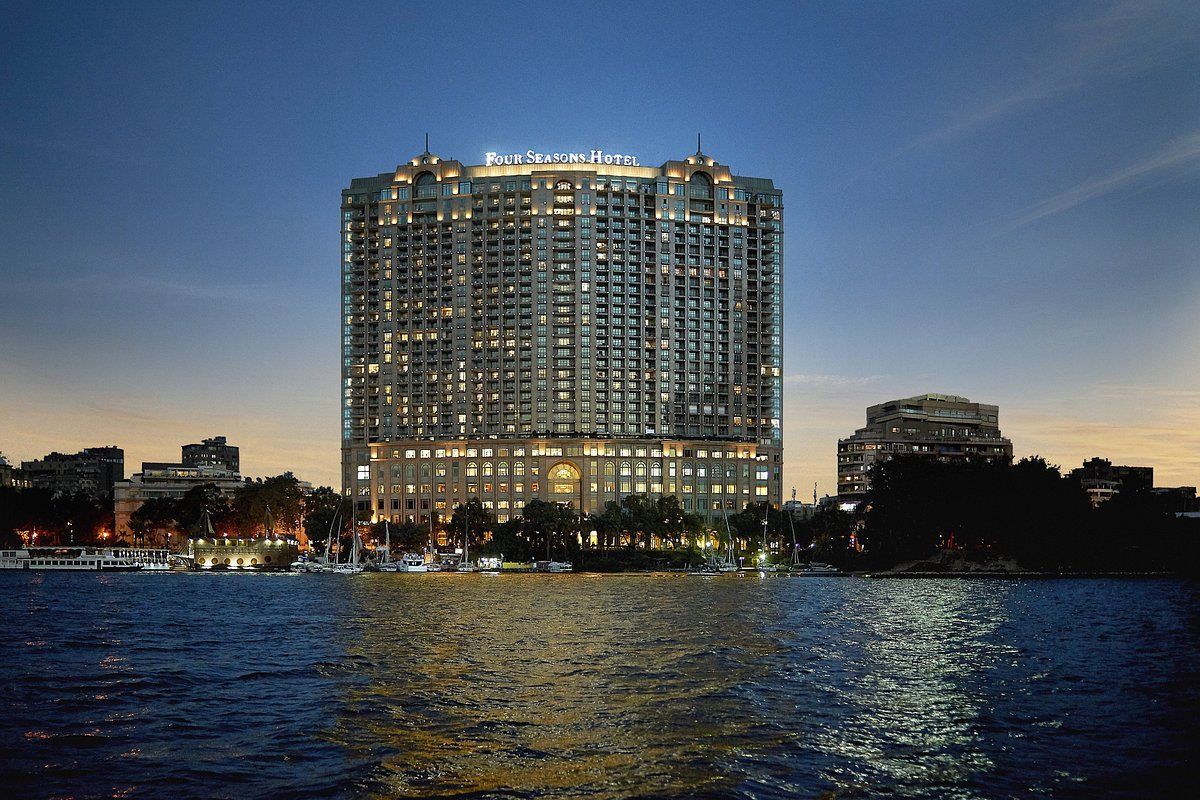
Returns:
(573,327)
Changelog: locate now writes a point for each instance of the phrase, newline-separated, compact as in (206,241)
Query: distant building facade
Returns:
(174,480)
(1102,479)
(941,426)
(1178,499)
(215,452)
(11,476)
(92,471)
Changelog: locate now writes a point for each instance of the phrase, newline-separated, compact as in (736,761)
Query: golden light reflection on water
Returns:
(562,686)
(553,685)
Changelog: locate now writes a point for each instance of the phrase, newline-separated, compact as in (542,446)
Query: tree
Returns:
(608,524)
(156,515)
(1025,510)
(509,541)
(24,509)
(473,519)
(549,528)
(280,493)
(197,500)
(320,509)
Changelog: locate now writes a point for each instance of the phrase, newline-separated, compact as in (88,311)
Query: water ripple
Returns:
(254,686)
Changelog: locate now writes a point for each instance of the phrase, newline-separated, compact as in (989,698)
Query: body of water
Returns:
(307,686)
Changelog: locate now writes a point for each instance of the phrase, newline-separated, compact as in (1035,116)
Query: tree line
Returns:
(1025,511)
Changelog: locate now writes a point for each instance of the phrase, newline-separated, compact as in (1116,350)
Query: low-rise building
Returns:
(92,471)
(1178,499)
(941,426)
(11,476)
(174,480)
(1102,479)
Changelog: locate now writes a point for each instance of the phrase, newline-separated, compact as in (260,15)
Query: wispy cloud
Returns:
(809,379)
(1179,154)
(133,283)
(1120,40)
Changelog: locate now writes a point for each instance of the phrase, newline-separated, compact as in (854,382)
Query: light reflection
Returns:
(559,687)
(907,717)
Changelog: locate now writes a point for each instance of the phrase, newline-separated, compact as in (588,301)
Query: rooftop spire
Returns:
(426,142)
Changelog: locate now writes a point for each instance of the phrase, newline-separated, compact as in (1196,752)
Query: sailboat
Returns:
(729,562)
(764,565)
(464,564)
(792,525)
(715,564)
(354,565)
(385,563)
(324,562)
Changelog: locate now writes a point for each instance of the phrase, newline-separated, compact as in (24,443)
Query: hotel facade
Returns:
(570,327)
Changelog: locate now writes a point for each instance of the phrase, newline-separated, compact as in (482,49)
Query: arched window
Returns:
(472,469)
(626,468)
(487,468)
(701,185)
(564,186)
(502,469)
(610,468)
(640,469)
(425,185)
(518,468)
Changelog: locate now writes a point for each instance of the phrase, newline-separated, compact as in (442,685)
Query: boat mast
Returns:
(792,525)
(329,535)
(766,523)
(466,533)
(729,553)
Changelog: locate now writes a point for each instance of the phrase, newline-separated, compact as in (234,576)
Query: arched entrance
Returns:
(565,483)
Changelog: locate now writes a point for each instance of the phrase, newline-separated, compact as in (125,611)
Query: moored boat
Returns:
(412,562)
(553,566)
(68,559)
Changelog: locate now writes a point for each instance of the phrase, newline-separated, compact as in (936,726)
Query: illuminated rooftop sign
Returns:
(534,157)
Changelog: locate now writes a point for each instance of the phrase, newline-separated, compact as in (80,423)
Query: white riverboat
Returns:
(70,559)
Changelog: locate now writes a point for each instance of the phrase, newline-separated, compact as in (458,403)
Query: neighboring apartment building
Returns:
(573,327)
(11,476)
(215,452)
(1101,479)
(92,471)
(170,479)
(946,427)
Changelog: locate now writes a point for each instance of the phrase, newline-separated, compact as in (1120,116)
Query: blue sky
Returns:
(996,200)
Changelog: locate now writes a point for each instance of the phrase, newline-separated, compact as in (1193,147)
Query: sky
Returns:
(995,200)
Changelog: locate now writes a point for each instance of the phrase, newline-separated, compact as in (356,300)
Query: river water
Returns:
(305,686)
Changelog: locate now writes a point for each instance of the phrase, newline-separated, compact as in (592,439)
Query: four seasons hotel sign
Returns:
(534,157)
